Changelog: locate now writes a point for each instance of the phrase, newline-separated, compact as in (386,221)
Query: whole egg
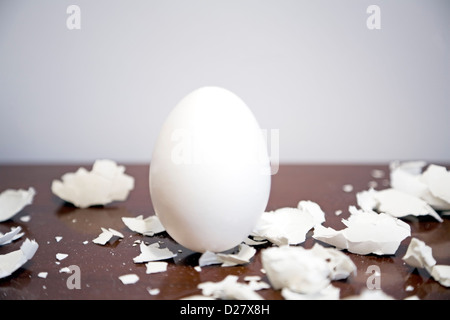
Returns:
(210,171)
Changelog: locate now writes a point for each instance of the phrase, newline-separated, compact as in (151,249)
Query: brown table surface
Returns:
(101,266)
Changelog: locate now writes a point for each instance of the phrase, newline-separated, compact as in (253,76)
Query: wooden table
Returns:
(100,266)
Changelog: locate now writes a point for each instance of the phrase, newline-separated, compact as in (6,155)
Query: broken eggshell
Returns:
(228,288)
(431,186)
(228,260)
(289,225)
(366,232)
(105,183)
(306,273)
(210,171)
(13,201)
(406,177)
(147,227)
(295,268)
(419,255)
(437,179)
(10,236)
(284,226)
(395,203)
(12,261)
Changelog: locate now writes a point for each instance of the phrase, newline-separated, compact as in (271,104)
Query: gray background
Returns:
(337,91)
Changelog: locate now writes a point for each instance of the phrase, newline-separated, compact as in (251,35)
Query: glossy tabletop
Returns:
(100,266)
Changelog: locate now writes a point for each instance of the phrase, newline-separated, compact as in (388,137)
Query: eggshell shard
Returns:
(431,186)
(366,232)
(130,278)
(10,236)
(228,288)
(13,201)
(228,260)
(438,180)
(12,261)
(105,183)
(106,236)
(210,171)
(419,255)
(284,226)
(147,227)
(441,273)
(295,268)
(330,292)
(396,203)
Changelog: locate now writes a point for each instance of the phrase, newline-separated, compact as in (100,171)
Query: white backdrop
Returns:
(336,90)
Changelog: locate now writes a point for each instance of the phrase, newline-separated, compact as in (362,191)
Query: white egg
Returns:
(210,171)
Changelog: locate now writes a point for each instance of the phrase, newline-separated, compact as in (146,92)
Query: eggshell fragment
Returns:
(130,278)
(431,186)
(12,261)
(295,268)
(419,255)
(13,201)
(147,227)
(306,273)
(441,273)
(227,260)
(330,292)
(105,183)
(153,253)
(229,288)
(10,236)
(155,267)
(153,292)
(210,171)
(61,256)
(107,235)
(438,180)
(26,218)
(284,226)
(209,258)
(366,232)
(339,264)
(255,283)
(367,294)
(396,203)
(313,209)
(242,257)
(400,204)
